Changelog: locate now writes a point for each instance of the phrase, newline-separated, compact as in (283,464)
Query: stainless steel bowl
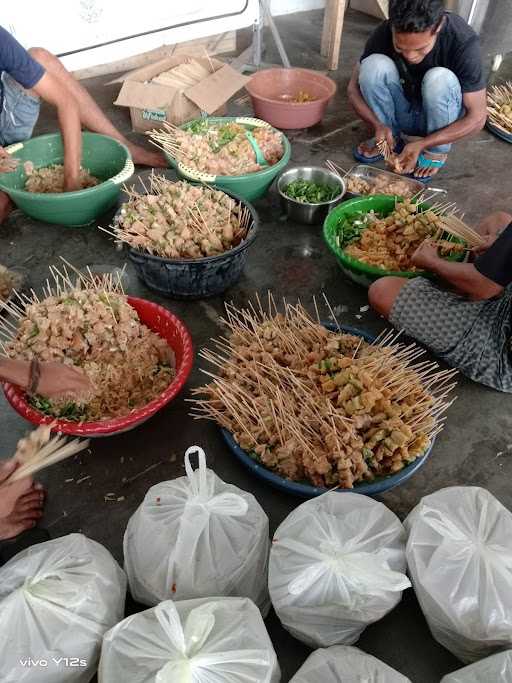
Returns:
(301,212)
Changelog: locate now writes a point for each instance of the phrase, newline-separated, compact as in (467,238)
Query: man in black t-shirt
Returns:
(420,81)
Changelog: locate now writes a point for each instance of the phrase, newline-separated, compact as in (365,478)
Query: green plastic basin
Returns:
(250,186)
(359,272)
(104,157)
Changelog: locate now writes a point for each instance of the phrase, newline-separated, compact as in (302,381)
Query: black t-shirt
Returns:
(457,48)
(496,263)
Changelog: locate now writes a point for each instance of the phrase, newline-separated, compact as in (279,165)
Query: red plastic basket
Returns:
(161,321)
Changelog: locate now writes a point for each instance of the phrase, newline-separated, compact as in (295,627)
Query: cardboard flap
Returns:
(214,91)
(146,73)
(145,95)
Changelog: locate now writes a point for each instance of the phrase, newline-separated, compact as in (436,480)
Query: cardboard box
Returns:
(151,103)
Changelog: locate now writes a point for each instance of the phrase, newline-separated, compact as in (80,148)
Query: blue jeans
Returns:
(441,105)
(19,111)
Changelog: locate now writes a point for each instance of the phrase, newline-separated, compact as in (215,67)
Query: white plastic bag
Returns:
(494,669)
(219,640)
(195,537)
(342,664)
(459,553)
(336,565)
(57,599)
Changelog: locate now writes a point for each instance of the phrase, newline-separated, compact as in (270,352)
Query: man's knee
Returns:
(439,81)
(377,68)
(383,292)
(44,57)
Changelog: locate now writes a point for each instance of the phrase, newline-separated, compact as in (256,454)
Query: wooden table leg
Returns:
(332,30)
(326,30)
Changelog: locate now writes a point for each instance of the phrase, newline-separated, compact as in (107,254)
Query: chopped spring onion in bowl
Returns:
(309,192)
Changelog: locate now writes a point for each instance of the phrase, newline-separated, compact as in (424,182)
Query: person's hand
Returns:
(60,380)
(425,255)
(72,183)
(384,133)
(408,159)
(489,240)
(8,163)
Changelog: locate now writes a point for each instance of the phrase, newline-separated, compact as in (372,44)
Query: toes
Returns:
(26,507)
(11,530)
(30,498)
(25,516)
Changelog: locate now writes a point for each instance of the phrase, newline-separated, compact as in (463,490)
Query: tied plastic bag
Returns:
(460,560)
(494,669)
(197,536)
(336,565)
(57,599)
(342,664)
(219,640)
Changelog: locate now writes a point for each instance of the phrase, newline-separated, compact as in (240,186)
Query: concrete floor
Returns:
(291,261)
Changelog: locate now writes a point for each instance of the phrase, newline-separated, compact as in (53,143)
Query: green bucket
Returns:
(250,186)
(359,272)
(104,157)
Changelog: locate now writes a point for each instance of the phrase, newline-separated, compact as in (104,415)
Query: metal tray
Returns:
(370,173)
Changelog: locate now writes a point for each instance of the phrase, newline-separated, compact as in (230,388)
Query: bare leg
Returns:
(383,293)
(6,206)
(91,115)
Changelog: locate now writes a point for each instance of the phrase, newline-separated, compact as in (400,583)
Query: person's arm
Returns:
(475,105)
(53,92)
(15,371)
(55,379)
(463,276)
(364,112)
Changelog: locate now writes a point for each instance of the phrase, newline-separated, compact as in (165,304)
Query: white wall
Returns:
(84,23)
(288,6)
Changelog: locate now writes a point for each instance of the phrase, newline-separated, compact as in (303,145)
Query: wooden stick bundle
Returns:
(37,451)
(456,227)
(499,106)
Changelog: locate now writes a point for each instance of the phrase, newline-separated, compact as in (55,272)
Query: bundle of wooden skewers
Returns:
(317,405)
(39,450)
(177,220)
(499,106)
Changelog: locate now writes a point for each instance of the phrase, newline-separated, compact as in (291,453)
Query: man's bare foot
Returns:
(145,157)
(6,206)
(431,170)
(27,511)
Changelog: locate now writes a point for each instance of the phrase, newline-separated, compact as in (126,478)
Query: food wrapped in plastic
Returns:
(57,599)
(494,669)
(196,537)
(337,564)
(213,640)
(344,664)
(460,560)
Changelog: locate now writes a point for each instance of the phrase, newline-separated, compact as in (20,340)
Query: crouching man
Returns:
(419,86)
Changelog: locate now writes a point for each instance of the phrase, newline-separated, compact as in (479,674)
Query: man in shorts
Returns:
(419,83)
(26,77)
(467,321)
